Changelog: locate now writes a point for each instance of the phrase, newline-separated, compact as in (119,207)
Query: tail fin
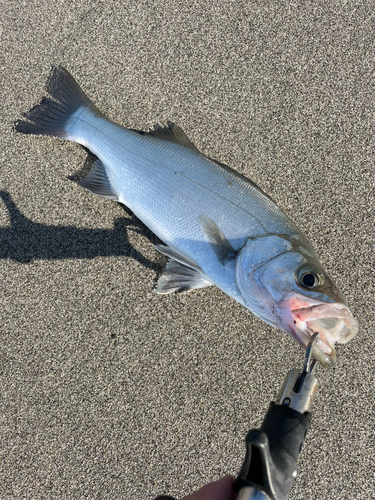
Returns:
(51,116)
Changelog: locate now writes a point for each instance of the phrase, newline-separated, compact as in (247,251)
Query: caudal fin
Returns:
(51,116)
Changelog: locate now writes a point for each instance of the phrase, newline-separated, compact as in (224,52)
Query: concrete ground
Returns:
(109,391)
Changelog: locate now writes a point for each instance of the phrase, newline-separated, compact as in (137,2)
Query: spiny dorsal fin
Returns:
(98,183)
(180,273)
(172,133)
(220,245)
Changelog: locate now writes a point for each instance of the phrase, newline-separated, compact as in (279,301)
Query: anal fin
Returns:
(98,183)
(180,273)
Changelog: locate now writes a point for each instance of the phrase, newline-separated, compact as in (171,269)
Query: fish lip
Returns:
(332,320)
(322,350)
(326,360)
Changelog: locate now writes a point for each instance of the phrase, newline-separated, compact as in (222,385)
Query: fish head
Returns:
(282,282)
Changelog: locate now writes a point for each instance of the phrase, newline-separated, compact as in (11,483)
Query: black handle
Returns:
(272,452)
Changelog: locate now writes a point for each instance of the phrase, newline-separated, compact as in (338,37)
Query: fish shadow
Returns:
(24,240)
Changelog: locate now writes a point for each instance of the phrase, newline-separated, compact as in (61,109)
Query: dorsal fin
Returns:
(172,133)
(237,174)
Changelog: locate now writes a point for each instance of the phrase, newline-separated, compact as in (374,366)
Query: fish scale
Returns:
(217,226)
(148,168)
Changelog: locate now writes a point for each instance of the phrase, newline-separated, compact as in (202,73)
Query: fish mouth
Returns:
(332,321)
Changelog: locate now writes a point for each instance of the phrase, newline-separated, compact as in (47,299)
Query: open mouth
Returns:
(333,322)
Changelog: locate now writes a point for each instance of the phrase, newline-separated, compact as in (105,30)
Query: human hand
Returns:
(219,490)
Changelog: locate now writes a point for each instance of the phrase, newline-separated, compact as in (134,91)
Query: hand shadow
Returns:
(25,240)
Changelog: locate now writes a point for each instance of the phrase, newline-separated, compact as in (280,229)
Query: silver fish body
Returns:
(169,186)
(218,227)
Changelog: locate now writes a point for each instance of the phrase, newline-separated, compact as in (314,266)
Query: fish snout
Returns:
(332,321)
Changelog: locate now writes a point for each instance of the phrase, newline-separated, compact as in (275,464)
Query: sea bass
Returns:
(217,226)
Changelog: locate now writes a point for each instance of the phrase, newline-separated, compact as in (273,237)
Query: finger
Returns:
(219,490)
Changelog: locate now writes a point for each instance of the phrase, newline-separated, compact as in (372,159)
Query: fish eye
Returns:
(308,278)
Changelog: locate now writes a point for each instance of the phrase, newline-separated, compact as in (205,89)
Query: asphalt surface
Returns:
(107,390)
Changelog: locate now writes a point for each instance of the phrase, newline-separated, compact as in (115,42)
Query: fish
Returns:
(217,226)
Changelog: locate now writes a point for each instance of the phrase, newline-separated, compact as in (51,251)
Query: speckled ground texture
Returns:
(109,391)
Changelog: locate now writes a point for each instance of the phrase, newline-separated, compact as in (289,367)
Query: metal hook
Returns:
(309,360)
(308,365)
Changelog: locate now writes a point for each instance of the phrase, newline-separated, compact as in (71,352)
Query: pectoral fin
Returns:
(220,245)
(180,273)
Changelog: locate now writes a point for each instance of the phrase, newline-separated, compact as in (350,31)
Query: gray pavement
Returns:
(107,390)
